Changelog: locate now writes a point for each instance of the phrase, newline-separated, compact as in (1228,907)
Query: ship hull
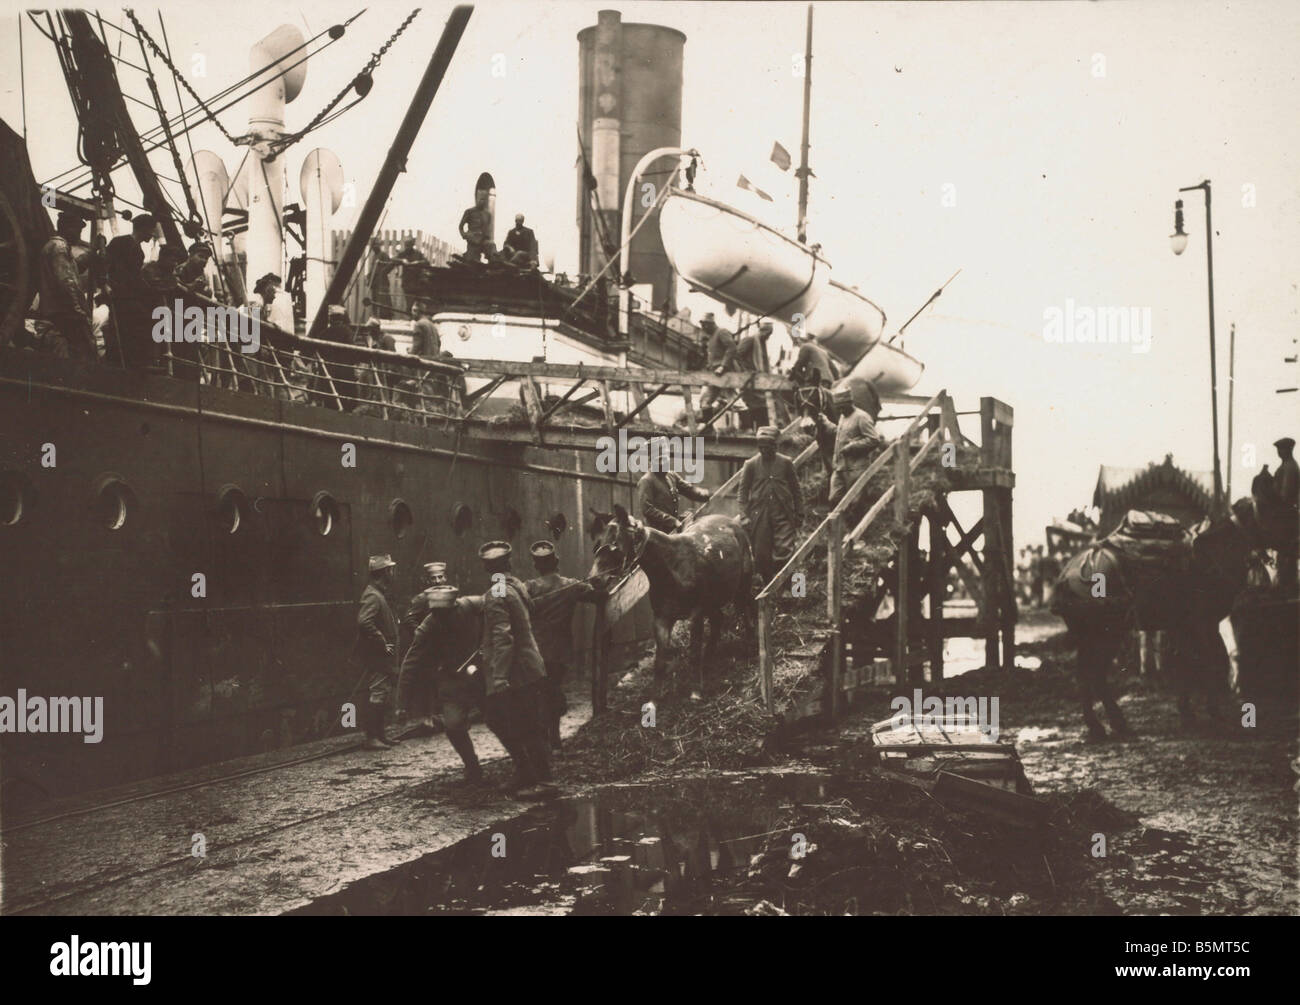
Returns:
(255,654)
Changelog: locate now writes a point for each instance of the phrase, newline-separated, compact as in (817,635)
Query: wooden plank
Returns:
(901,605)
(734,380)
(765,653)
(869,517)
(643,401)
(938,581)
(835,608)
(563,401)
(608,406)
(689,401)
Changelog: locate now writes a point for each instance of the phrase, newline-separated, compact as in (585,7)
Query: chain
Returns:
(280,145)
(180,77)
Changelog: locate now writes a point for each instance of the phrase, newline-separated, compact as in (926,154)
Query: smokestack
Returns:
(266,176)
(630,102)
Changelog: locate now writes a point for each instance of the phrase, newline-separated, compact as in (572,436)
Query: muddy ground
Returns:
(705,813)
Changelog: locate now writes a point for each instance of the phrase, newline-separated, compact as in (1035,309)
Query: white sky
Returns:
(1064,180)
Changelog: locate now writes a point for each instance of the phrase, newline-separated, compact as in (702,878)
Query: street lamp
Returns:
(1178,242)
(1178,239)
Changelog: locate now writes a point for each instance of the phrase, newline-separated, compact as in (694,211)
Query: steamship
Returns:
(188,540)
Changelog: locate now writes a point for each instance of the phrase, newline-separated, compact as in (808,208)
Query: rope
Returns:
(282,144)
(210,115)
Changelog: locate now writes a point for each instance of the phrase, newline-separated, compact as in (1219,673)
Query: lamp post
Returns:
(1178,242)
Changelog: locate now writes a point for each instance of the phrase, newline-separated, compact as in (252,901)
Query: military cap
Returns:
(767,434)
(707,317)
(336,310)
(493,550)
(1286,441)
(542,549)
(442,598)
(765,326)
(842,396)
(378,562)
(438,570)
(373,323)
(271,277)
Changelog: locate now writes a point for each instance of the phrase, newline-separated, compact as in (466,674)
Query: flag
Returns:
(743,182)
(781,157)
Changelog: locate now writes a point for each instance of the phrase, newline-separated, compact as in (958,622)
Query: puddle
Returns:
(624,850)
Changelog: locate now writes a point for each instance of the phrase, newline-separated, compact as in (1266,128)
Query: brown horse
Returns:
(693,575)
(1185,585)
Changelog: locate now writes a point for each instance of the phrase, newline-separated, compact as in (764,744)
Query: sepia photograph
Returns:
(650,459)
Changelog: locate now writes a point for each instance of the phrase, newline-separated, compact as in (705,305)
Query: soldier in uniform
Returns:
(64,303)
(658,492)
(376,649)
(722,359)
(474,229)
(771,504)
(856,441)
(1286,479)
(515,673)
(445,638)
(554,598)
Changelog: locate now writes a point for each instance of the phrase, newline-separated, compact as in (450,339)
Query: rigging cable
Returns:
(361,82)
(335,34)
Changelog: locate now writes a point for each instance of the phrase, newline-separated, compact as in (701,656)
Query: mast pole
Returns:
(394,164)
(803,146)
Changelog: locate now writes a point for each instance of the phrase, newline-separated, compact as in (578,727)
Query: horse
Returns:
(694,574)
(1186,586)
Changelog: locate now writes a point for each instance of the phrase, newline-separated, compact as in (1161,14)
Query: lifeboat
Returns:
(739,260)
(887,368)
(845,323)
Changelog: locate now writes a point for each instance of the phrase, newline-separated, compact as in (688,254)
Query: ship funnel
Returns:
(211,183)
(266,123)
(321,183)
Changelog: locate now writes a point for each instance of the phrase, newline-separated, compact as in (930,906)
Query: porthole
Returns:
(324,512)
(113,502)
(15,498)
(557,524)
(399,515)
(232,508)
(462,518)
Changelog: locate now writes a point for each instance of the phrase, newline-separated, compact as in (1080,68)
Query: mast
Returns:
(803,146)
(101,89)
(394,163)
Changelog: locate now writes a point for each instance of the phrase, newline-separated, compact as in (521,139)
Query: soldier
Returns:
(722,359)
(658,492)
(63,299)
(515,673)
(520,248)
(376,649)
(192,273)
(554,598)
(425,341)
(446,635)
(1286,479)
(130,297)
(771,504)
(473,228)
(856,440)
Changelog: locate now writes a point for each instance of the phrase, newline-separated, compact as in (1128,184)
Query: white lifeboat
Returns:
(740,260)
(845,323)
(887,368)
